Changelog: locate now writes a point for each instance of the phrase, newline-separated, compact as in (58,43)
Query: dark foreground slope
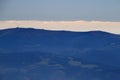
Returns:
(31,54)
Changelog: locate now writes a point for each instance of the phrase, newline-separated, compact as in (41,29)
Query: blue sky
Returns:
(60,10)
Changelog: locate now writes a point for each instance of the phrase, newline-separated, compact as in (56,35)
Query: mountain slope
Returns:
(33,54)
(23,39)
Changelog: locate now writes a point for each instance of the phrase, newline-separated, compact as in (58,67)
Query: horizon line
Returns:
(76,26)
(60,30)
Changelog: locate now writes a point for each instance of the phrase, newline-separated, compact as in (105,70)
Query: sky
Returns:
(105,12)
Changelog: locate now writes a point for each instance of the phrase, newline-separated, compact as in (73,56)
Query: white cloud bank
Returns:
(113,27)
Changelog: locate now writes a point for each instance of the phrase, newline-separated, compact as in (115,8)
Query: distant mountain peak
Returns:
(33,29)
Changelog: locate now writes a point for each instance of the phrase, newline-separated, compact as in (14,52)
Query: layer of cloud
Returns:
(113,27)
(80,64)
(46,62)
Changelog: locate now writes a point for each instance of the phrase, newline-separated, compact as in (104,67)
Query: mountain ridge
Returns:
(23,36)
(67,55)
(20,28)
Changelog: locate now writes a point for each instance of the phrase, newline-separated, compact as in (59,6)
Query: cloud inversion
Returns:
(113,27)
